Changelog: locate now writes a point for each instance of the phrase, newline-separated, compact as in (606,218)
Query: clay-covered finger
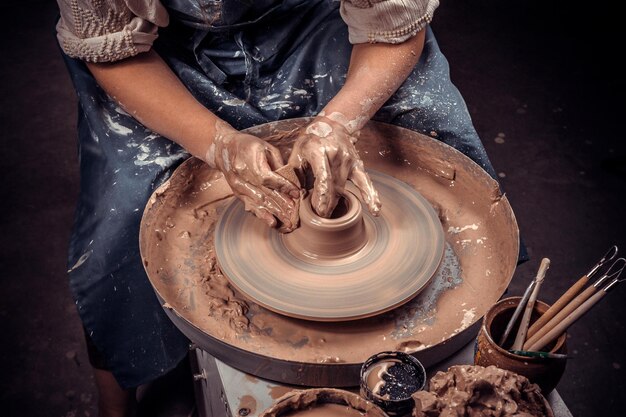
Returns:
(241,188)
(295,158)
(268,178)
(292,223)
(280,207)
(253,198)
(279,183)
(259,211)
(297,162)
(323,198)
(363,182)
(273,156)
(273,210)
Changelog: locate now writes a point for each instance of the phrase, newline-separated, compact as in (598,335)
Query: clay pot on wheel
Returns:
(545,372)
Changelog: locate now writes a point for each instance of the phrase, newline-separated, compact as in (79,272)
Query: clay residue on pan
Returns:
(475,391)
(191,279)
(314,402)
(421,312)
(325,410)
(177,248)
(277,391)
(247,405)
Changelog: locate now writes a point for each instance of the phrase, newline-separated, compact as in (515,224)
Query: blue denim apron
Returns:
(250,62)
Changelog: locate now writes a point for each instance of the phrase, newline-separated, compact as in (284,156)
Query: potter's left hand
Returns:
(327,147)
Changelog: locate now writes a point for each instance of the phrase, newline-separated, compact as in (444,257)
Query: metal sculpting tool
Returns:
(613,272)
(517,312)
(523,326)
(559,328)
(548,355)
(570,293)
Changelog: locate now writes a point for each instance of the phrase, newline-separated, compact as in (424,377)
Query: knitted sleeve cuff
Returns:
(108,30)
(386,21)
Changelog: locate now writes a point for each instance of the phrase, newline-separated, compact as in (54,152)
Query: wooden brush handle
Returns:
(556,331)
(557,306)
(559,317)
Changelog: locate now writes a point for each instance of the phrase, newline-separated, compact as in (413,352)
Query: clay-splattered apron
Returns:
(250,62)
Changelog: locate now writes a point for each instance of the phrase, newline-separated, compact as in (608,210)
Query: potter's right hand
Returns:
(248,164)
(328,149)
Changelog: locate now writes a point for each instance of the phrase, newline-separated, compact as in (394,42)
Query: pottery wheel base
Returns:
(400,251)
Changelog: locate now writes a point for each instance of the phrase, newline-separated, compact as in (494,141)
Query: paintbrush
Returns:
(613,272)
(523,326)
(559,328)
(570,293)
(516,313)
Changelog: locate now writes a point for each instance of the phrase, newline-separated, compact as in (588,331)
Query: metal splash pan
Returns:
(481,251)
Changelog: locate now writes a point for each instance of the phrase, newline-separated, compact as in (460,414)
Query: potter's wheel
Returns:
(481,247)
(343,268)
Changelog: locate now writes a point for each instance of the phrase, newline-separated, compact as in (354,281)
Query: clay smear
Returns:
(322,402)
(327,410)
(471,390)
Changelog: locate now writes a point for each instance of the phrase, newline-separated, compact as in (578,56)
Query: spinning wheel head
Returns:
(347,267)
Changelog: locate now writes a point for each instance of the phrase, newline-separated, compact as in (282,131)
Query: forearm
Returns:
(326,146)
(148,90)
(375,73)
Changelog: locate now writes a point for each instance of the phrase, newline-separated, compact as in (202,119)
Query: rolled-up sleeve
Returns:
(108,30)
(386,21)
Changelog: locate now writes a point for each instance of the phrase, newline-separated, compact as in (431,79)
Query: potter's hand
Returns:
(328,149)
(248,164)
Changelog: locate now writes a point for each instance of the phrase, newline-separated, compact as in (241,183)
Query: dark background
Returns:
(543,75)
